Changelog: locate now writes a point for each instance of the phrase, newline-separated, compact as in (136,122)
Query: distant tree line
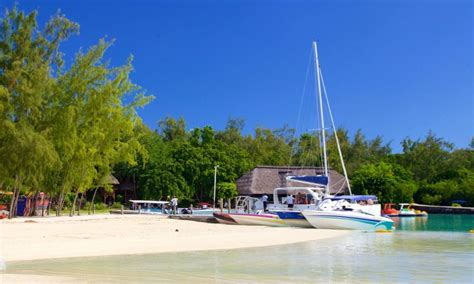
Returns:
(181,162)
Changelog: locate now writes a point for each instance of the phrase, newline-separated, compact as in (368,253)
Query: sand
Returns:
(37,279)
(24,239)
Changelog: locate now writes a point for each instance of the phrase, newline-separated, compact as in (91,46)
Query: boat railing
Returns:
(246,204)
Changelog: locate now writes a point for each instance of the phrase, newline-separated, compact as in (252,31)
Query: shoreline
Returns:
(29,239)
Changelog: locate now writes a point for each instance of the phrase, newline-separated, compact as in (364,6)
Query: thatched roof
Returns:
(264,179)
(126,185)
(110,179)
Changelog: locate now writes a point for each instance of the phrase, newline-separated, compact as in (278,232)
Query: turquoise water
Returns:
(436,222)
(406,255)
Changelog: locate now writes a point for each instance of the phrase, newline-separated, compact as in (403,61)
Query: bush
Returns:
(118,198)
(68,200)
(431,199)
(5,199)
(100,206)
(117,205)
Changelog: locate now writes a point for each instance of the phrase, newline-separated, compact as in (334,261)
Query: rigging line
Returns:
(343,182)
(335,132)
(301,105)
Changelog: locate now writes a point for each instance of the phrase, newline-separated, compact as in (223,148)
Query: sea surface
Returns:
(433,249)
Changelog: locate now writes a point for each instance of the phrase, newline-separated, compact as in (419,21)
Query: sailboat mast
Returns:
(320,98)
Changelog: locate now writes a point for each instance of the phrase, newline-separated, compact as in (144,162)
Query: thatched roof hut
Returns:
(264,179)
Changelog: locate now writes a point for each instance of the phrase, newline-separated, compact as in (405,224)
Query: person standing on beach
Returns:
(265,201)
(174,205)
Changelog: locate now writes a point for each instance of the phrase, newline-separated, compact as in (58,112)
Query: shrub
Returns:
(117,205)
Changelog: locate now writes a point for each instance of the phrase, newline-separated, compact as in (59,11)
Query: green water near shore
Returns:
(418,251)
(436,222)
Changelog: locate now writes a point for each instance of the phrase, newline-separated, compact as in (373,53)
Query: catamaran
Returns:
(334,213)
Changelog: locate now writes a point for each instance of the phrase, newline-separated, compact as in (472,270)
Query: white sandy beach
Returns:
(59,237)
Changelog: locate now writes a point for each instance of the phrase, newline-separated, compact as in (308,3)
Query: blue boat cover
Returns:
(290,215)
(355,197)
(321,180)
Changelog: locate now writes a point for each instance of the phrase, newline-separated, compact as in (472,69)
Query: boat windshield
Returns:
(359,199)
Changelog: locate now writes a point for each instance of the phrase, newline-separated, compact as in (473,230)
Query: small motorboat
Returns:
(224,218)
(405,211)
(408,211)
(389,210)
(258,219)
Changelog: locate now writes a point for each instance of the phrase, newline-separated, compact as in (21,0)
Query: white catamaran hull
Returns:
(347,220)
(258,219)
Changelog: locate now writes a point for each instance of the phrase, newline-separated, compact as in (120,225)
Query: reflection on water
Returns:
(359,257)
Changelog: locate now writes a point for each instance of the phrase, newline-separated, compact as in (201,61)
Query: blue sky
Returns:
(393,68)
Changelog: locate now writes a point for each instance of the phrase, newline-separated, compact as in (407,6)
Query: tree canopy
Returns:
(183,164)
(61,129)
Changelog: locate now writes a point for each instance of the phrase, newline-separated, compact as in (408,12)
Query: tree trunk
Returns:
(80,204)
(42,204)
(15,204)
(59,206)
(12,208)
(73,207)
(12,204)
(49,206)
(228,205)
(33,206)
(92,206)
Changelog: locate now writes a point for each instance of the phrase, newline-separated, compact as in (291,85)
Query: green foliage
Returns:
(389,182)
(181,162)
(426,159)
(117,205)
(61,129)
(184,165)
(226,190)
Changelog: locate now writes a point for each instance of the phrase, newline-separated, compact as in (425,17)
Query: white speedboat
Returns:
(346,220)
